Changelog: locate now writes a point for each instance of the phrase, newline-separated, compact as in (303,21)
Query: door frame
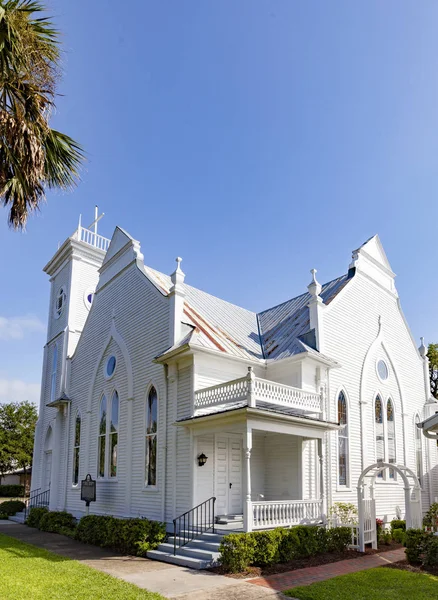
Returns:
(228,437)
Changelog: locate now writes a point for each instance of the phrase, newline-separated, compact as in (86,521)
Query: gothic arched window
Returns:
(101,472)
(76,448)
(380,436)
(390,436)
(151,438)
(343,474)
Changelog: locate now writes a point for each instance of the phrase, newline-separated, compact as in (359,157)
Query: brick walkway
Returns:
(290,579)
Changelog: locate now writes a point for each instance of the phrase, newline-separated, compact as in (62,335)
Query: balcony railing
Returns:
(255,392)
(92,238)
(267,515)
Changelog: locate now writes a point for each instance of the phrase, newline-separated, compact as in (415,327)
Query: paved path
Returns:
(290,579)
(169,580)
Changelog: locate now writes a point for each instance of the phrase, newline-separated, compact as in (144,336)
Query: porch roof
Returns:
(272,418)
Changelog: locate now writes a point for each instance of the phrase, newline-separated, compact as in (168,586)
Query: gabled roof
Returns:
(221,326)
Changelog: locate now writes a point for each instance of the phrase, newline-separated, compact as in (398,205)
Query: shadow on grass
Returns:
(18,549)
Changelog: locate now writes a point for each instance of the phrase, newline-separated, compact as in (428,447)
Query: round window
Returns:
(60,300)
(110,367)
(88,298)
(382,370)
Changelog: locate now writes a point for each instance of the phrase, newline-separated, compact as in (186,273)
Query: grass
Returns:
(373,584)
(30,573)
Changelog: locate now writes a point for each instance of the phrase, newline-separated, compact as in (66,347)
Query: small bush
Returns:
(338,539)
(267,544)
(289,547)
(4,516)
(344,513)
(237,551)
(35,515)
(430,519)
(71,533)
(398,524)
(128,536)
(385,538)
(430,549)
(10,507)
(398,535)
(11,491)
(414,541)
(54,521)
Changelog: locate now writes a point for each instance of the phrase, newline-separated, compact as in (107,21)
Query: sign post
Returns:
(88,491)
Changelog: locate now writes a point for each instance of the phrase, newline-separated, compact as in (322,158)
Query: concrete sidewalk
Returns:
(169,580)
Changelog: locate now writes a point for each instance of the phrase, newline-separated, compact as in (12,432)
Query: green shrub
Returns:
(267,544)
(289,547)
(430,549)
(54,521)
(67,531)
(398,535)
(430,519)
(414,541)
(237,551)
(10,507)
(4,516)
(344,513)
(398,524)
(309,540)
(338,539)
(128,536)
(385,538)
(35,515)
(11,491)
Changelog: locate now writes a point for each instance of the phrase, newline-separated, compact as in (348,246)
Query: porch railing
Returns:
(255,392)
(283,513)
(37,499)
(194,522)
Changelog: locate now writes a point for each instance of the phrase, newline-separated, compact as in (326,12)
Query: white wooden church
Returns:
(168,396)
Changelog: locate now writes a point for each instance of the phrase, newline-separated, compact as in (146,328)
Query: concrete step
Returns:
(201,544)
(18,517)
(178,559)
(191,550)
(205,537)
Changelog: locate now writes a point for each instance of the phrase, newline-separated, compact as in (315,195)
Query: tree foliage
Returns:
(432,355)
(17,432)
(33,157)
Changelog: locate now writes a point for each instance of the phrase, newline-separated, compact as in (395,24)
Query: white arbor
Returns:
(367,504)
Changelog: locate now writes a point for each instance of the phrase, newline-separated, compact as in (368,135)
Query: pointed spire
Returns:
(177,276)
(422,349)
(314,286)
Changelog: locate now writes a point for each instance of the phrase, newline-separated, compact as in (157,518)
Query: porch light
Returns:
(202,459)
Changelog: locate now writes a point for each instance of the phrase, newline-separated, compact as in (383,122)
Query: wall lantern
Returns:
(202,459)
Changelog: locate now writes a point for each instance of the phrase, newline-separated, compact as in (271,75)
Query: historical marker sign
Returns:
(88,489)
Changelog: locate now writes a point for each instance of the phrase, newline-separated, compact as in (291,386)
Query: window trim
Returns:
(78,447)
(61,292)
(107,436)
(385,475)
(340,487)
(146,486)
(418,435)
(105,367)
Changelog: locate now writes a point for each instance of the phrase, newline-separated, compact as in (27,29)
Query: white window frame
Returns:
(384,475)
(54,373)
(107,436)
(61,294)
(347,485)
(146,485)
(76,446)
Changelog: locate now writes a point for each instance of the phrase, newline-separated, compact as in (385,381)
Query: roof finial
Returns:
(314,287)
(423,348)
(178,276)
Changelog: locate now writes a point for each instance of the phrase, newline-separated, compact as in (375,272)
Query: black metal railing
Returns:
(192,523)
(37,499)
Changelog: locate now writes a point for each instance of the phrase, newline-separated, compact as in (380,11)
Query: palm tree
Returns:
(33,157)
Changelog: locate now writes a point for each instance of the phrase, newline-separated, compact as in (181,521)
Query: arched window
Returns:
(390,436)
(76,449)
(53,375)
(342,440)
(151,438)
(418,449)
(380,437)
(114,428)
(102,438)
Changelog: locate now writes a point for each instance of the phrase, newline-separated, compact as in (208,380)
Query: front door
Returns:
(228,479)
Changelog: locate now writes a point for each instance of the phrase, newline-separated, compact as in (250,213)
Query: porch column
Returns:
(322,495)
(247,510)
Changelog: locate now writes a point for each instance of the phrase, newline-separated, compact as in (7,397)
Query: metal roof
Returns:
(224,327)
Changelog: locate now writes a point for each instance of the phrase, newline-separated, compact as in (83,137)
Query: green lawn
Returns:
(30,573)
(374,584)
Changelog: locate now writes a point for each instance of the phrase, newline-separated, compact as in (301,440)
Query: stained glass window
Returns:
(342,440)
(151,438)
(102,438)
(390,426)
(380,439)
(76,449)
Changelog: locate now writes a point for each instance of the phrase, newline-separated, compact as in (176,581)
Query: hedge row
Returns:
(11,491)
(421,548)
(128,536)
(260,548)
(10,507)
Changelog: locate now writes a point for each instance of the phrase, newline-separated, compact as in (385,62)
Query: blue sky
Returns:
(256,139)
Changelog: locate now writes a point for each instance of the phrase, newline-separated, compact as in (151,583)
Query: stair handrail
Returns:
(39,500)
(192,525)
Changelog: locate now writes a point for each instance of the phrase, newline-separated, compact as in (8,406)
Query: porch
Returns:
(264,466)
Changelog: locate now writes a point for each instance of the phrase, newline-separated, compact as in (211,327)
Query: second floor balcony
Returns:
(255,392)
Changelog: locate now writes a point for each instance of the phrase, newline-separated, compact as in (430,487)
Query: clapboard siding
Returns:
(183,480)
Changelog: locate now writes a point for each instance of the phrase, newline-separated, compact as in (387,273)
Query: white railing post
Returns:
(248,516)
(251,390)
